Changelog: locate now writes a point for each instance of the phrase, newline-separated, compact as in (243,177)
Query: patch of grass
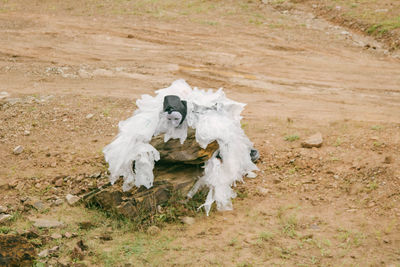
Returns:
(384,26)
(5,230)
(372,186)
(376,127)
(338,142)
(233,242)
(292,138)
(265,236)
(289,225)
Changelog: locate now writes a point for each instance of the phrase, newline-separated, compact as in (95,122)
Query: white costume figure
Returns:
(211,114)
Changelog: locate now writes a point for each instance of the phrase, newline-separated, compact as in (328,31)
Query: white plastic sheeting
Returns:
(215,118)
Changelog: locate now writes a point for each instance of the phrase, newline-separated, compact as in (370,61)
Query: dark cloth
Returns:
(174,103)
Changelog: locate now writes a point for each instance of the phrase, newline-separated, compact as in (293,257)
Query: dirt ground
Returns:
(72,70)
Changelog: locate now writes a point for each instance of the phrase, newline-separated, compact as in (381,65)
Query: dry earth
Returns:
(337,205)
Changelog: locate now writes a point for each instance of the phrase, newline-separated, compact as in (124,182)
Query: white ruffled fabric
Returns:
(215,118)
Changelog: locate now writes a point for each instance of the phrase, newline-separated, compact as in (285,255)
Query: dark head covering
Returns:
(174,103)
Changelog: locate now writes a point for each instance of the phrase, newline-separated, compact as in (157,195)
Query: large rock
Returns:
(43,223)
(15,250)
(188,153)
(313,141)
(176,171)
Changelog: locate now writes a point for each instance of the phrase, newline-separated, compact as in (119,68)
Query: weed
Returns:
(233,242)
(266,236)
(372,186)
(338,142)
(289,226)
(292,138)
(5,230)
(376,127)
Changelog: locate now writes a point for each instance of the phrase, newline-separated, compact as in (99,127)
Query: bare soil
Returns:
(337,205)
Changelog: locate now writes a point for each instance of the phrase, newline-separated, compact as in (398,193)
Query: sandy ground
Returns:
(333,206)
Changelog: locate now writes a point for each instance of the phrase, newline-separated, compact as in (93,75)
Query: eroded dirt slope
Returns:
(73,70)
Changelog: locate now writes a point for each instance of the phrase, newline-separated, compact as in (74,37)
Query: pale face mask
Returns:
(174,118)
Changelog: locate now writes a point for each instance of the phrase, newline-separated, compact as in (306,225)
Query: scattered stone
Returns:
(84,74)
(262,191)
(26,132)
(188,220)
(153,230)
(59,202)
(277,181)
(103,72)
(56,236)
(59,182)
(43,253)
(39,205)
(54,249)
(18,150)
(313,141)
(314,226)
(4,217)
(89,116)
(43,223)
(15,250)
(47,252)
(67,235)
(72,200)
(3,209)
(96,175)
(388,160)
(4,95)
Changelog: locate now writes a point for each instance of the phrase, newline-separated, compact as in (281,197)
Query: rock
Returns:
(54,249)
(103,72)
(18,150)
(67,235)
(59,182)
(3,209)
(47,252)
(72,200)
(84,74)
(153,230)
(313,141)
(388,160)
(43,223)
(4,217)
(169,179)
(59,202)
(189,153)
(44,253)
(262,191)
(26,132)
(56,236)
(89,116)
(188,220)
(96,175)
(39,205)
(15,250)
(4,95)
